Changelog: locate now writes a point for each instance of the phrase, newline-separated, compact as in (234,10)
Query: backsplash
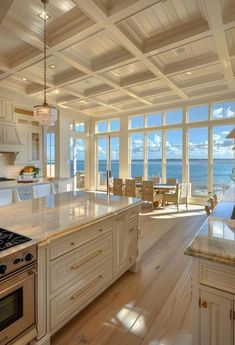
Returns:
(7,169)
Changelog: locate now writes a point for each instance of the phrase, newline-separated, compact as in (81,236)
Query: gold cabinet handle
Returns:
(204,304)
(132,229)
(72,243)
(100,230)
(86,288)
(87,259)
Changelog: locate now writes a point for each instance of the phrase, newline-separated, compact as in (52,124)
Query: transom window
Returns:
(103,126)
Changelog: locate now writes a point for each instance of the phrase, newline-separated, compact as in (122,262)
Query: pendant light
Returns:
(44,113)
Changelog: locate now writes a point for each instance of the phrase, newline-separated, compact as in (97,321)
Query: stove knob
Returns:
(16,261)
(3,268)
(28,257)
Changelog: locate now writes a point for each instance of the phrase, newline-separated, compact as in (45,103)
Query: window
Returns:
(50,139)
(77,160)
(223,159)
(174,154)
(136,122)
(80,127)
(154,154)
(223,110)
(137,154)
(198,160)
(198,113)
(102,126)
(174,116)
(114,125)
(154,120)
(114,156)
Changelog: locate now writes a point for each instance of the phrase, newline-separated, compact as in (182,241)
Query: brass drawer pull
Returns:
(72,243)
(132,229)
(87,259)
(204,304)
(100,230)
(86,288)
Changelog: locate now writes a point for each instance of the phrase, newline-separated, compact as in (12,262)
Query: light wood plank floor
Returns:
(154,306)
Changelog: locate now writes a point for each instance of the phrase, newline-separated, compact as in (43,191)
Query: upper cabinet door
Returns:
(6,110)
(215,317)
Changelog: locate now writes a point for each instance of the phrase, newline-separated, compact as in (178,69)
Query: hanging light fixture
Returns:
(44,113)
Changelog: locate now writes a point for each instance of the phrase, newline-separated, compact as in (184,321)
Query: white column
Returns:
(124,148)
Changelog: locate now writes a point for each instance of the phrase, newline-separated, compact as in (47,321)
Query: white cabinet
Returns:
(126,243)
(6,110)
(82,264)
(213,303)
(215,317)
(31,138)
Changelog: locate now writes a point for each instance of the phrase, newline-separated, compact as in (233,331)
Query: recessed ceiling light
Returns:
(188,73)
(82,101)
(56,91)
(52,66)
(24,79)
(44,15)
(179,50)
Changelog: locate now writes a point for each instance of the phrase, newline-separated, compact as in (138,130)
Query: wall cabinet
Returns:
(30,134)
(6,110)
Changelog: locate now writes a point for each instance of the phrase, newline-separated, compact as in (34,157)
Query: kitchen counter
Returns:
(54,216)
(15,184)
(215,240)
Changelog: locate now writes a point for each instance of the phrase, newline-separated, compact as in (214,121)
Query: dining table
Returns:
(162,187)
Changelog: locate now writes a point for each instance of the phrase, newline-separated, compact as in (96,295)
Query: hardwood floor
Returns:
(154,306)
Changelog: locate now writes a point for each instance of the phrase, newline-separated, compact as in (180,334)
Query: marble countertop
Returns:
(44,218)
(15,184)
(215,239)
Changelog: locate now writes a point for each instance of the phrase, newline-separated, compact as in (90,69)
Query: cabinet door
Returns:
(35,144)
(133,233)
(121,245)
(215,317)
(23,156)
(8,111)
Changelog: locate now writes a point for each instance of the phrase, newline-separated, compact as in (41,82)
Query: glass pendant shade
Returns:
(45,114)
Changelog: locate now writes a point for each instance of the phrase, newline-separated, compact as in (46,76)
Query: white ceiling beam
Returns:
(213,12)
(93,11)
(70,60)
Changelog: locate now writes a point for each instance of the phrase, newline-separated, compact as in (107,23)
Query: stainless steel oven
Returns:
(17,304)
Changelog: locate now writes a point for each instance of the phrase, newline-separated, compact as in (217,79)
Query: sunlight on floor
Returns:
(170,212)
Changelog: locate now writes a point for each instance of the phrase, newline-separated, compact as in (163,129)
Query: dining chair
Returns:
(117,186)
(215,198)
(183,194)
(138,179)
(156,180)
(43,190)
(171,181)
(149,194)
(172,197)
(9,196)
(130,188)
(209,206)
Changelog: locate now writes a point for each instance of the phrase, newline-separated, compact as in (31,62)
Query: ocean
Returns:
(198,172)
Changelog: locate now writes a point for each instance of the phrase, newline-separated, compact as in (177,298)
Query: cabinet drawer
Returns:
(75,240)
(68,303)
(218,276)
(76,263)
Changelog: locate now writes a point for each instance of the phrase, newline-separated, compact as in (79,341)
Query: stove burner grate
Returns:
(10,239)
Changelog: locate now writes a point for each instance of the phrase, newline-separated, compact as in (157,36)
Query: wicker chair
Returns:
(171,181)
(148,193)
(172,197)
(130,188)
(156,179)
(117,186)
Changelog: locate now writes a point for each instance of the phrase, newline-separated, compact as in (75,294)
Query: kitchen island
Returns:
(85,242)
(213,272)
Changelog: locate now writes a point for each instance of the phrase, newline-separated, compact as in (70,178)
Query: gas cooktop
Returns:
(2,179)
(10,239)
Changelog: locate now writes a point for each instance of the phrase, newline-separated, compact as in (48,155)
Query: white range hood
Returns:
(9,138)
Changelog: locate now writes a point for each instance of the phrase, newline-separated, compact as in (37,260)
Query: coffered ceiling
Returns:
(112,56)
